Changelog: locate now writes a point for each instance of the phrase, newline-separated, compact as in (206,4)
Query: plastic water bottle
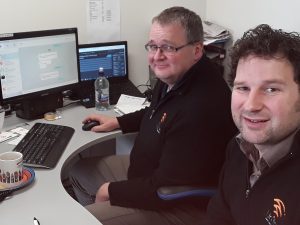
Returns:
(101,92)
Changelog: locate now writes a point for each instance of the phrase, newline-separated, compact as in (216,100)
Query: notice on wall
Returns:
(103,20)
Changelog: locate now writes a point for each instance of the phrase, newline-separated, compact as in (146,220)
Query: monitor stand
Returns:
(36,107)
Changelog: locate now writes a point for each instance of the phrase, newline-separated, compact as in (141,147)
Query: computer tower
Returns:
(36,107)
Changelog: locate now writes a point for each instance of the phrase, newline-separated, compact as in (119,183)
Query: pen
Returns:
(35,221)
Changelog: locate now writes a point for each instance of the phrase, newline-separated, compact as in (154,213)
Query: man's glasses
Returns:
(152,48)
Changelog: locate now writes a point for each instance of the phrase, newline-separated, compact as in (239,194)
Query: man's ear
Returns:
(198,50)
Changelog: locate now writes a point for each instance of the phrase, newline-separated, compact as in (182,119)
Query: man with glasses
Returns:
(181,136)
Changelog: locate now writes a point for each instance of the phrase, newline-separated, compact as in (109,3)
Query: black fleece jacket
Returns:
(273,200)
(182,138)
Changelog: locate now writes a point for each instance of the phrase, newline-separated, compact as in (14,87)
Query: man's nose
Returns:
(254,101)
(159,54)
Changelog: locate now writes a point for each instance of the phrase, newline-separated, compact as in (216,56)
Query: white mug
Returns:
(11,169)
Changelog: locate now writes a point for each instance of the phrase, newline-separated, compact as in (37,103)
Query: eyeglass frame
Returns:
(174,49)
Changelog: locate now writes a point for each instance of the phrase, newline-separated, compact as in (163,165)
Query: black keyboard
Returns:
(44,144)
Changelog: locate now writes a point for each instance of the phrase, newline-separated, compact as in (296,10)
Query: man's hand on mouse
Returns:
(107,123)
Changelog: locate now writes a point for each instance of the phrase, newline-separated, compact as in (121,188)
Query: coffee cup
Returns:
(11,169)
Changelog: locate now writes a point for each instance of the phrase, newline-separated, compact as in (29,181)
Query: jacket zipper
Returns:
(160,103)
(248,186)
(250,165)
(151,114)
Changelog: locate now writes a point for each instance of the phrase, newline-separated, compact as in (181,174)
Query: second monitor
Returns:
(113,58)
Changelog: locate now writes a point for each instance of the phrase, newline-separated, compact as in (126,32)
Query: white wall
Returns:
(136,15)
(239,16)
(236,15)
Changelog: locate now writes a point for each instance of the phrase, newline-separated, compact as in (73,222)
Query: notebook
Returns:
(113,57)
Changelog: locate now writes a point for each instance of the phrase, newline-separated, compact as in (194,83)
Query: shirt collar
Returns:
(183,79)
(270,155)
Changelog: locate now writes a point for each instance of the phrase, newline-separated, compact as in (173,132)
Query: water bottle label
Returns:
(103,98)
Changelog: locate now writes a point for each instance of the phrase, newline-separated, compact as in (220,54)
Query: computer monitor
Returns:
(112,56)
(36,67)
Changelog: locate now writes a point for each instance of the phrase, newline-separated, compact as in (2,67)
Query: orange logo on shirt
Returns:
(162,120)
(279,208)
(279,211)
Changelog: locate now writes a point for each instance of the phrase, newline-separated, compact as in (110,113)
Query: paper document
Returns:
(6,136)
(19,131)
(214,33)
(103,20)
(16,140)
(127,104)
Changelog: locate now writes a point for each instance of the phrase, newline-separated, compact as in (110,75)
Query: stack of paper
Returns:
(128,104)
(214,33)
(19,131)
(6,136)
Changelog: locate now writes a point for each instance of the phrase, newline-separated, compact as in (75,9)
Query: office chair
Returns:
(179,192)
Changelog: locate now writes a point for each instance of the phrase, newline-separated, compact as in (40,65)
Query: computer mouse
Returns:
(90,124)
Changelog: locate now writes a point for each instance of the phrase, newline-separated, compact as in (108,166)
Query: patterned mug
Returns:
(11,169)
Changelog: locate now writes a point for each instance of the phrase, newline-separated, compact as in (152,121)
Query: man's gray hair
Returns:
(189,20)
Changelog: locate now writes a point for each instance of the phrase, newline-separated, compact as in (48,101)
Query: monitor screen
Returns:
(112,56)
(38,63)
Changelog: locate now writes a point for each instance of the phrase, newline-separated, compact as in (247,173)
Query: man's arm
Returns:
(189,156)
(107,123)
(131,122)
(128,123)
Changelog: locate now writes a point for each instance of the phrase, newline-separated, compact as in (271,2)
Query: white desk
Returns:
(46,199)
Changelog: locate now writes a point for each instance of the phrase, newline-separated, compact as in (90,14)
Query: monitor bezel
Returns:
(104,44)
(34,34)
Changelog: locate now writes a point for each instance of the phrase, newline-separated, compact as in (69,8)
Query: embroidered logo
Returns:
(279,211)
(162,120)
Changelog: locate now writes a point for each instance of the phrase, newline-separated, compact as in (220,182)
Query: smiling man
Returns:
(169,62)
(265,108)
(259,184)
(181,138)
